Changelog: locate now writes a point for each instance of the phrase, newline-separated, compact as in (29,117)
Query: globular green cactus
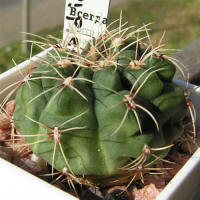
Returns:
(104,113)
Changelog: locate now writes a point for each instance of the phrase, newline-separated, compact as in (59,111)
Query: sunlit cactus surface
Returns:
(102,112)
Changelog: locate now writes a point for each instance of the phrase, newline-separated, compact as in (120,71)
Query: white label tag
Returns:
(84,19)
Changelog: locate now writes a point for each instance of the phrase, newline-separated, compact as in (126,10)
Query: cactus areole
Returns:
(105,113)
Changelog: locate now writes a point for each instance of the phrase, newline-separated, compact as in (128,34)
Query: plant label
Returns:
(84,20)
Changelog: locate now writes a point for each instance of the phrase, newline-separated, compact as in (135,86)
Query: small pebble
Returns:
(118,193)
(5,153)
(10,107)
(4,121)
(148,192)
(29,165)
(91,194)
(4,134)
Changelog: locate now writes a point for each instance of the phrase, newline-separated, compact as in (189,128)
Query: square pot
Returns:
(18,184)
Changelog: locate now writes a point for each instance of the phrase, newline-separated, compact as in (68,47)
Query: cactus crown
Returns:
(104,113)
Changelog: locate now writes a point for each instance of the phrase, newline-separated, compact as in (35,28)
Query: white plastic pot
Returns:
(16,183)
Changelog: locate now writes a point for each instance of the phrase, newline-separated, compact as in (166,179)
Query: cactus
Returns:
(105,114)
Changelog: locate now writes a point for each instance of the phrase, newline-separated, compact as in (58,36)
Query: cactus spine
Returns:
(104,114)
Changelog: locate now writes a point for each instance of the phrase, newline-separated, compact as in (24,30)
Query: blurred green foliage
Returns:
(13,51)
(179,18)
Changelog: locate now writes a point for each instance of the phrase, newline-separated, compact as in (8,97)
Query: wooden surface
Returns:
(190,57)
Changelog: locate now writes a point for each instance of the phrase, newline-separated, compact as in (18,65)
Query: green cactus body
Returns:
(86,120)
